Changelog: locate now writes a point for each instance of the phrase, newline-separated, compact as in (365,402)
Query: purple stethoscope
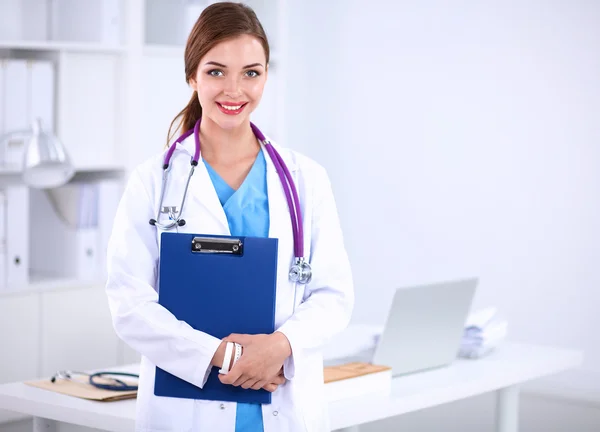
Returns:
(300,271)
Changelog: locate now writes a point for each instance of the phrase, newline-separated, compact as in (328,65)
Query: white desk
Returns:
(502,372)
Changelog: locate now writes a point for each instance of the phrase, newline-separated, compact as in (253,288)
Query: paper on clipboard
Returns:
(78,386)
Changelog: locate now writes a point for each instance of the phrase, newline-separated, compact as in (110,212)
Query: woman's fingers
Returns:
(270,387)
(259,384)
(240,380)
(279,379)
(250,383)
(273,385)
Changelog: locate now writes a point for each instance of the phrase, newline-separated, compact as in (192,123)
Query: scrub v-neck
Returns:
(247,211)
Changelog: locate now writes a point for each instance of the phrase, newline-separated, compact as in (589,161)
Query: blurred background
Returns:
(462,139)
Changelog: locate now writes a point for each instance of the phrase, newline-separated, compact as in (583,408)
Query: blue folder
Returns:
(219,285)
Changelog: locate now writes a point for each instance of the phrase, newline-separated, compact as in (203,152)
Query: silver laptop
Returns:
(424,327)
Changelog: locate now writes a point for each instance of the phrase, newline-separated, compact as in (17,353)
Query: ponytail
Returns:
(187,118)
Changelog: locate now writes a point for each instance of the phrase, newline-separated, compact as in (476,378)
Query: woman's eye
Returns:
(252,73)
(215,72)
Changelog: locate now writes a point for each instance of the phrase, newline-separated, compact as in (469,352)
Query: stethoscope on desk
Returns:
(117,386)
(300,271)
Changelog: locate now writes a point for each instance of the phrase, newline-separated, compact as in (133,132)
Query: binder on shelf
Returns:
(2,240)
(16,115)
(2,268)
(2,102)
(85,254)
(218,285)
(41,93)
(17,235)
(109,196)
(65,220)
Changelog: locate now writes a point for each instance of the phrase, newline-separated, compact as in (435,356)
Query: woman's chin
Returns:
(231,123)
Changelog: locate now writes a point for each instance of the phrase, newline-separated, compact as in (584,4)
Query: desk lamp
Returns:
(45,161)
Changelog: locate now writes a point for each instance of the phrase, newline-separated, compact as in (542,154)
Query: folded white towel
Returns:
(483,333)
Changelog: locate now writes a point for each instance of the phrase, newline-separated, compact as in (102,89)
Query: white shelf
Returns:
(47,283)
(53,46)
(100,168)
(9,170)
(12,173)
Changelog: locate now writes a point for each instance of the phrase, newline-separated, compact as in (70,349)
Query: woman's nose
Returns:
(232,88)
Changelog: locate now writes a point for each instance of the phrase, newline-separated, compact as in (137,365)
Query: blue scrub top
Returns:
(247,211)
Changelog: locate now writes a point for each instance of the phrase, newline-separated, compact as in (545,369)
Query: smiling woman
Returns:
(245,186)
(227,67)
(235,87)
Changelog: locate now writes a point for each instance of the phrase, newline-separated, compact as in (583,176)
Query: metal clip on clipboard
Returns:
(216,245)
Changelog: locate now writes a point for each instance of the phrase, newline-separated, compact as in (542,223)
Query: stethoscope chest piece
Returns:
(301,271)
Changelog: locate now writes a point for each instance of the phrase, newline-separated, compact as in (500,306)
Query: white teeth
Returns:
(231,108)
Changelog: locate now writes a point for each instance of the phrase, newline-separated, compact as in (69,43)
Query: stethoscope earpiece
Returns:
(152,222)
(181,222)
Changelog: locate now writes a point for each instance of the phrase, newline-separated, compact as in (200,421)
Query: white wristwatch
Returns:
(238,353)
(227,358)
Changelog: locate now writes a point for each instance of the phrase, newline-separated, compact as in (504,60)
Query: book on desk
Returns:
(356,379)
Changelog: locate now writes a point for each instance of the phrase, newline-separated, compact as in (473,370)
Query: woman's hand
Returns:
(261,361)
(275,382)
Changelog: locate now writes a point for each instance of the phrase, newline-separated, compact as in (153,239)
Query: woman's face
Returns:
(230,80)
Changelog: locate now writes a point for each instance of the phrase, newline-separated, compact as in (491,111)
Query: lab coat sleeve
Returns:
(329,297)
(138,319)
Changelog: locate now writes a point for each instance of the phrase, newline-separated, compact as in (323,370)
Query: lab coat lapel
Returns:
(205,194)
(202,194)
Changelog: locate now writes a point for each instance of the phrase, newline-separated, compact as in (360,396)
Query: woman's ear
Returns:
(193,84)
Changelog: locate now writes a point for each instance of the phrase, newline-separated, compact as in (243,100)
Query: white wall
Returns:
(462,138)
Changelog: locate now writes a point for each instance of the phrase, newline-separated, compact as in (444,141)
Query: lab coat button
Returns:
(275,413)
(222,406)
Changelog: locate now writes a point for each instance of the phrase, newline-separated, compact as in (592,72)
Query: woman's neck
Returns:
(227,147)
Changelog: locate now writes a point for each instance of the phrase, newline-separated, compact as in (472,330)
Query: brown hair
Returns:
(218,22)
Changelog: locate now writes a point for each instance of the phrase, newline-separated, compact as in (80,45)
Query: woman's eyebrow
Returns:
(225,67)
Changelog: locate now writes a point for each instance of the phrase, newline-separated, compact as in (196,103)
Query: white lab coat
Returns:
(323,307)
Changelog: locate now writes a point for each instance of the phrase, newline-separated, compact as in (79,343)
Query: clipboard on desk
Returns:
(81,388)
(198,275)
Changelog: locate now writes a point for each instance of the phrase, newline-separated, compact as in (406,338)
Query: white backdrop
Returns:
(462,139)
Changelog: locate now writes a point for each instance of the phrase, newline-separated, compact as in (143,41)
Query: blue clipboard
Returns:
(219,285)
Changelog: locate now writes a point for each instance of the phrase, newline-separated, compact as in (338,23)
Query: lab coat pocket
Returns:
(314,406)
(167,414)
(156,413)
